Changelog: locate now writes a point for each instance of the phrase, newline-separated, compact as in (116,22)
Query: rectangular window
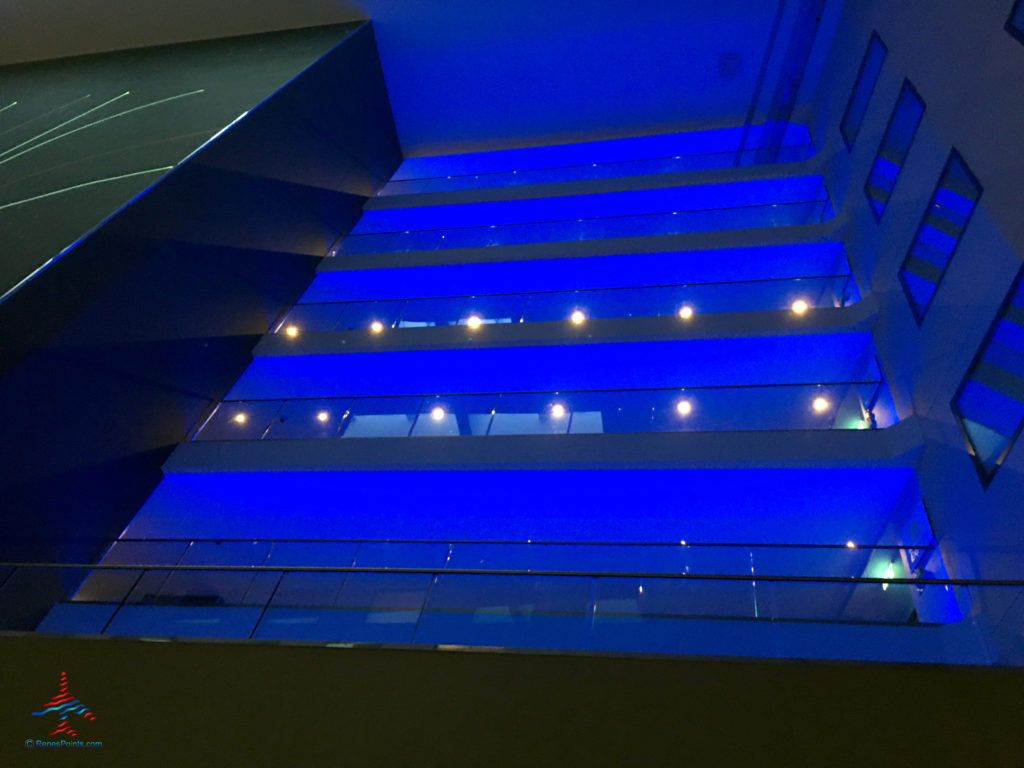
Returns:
(867,77)
(939,234)
(990,402)
(892,152)
(1015,24)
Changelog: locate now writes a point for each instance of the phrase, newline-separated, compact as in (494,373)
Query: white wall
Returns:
(970,74)
(476,74)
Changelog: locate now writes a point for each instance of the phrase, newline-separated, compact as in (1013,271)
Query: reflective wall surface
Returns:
(135,331)
(81,137)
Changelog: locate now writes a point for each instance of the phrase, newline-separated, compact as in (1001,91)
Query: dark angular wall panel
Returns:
(122,344)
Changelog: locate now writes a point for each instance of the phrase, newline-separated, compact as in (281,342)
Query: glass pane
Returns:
(363,314)
(239,420)
(926,262)
(420,313)
(455,415)
(381,416)
(214,587)
(311,317)
(531,414)
(895,146)
(493,309)
(308,418)
(867,77)
(675,597)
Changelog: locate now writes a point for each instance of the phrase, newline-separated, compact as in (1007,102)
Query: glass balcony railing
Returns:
(560,271)
(792,153)
(794,294)
(733,142)
(634,597)
(847,559)
(840,405)
(669,223)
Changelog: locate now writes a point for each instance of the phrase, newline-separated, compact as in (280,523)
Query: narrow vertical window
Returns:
(1015,24)
(990,402)
(867,77)
(939,234)
(893,150)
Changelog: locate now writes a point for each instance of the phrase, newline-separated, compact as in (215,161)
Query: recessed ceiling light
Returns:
(686,312)
(376,326)
(577,317)
(240,418)
(473,321)
(684,407)
(557,410)
(437,413)
(323,416)
(820,404)
(800,306)
(291,331)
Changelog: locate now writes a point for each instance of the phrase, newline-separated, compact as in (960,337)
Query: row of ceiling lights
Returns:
(578,317)
(683,407)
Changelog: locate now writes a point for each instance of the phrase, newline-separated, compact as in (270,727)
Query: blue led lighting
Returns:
(595,152)
(797,189)
(553,274)
(692,363)
(667,153)
(776,504)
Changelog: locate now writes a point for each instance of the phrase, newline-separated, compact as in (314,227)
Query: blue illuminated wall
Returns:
(712,505)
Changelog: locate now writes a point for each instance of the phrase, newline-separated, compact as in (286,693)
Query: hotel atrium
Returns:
(698,336)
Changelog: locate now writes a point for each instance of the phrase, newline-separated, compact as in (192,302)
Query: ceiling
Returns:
(465,74)
(462,75)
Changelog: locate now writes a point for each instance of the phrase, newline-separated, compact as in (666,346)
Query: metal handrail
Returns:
(864,382)
(523,542)
(525,572)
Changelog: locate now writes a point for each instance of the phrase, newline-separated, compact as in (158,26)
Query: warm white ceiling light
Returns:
(291,331)
(558,411)
(323,416)
(686,312)
(240,418)
(800,306)
(473,321)
(820,404)
(376,326)
(577,317)
(684,407)
(437,413)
